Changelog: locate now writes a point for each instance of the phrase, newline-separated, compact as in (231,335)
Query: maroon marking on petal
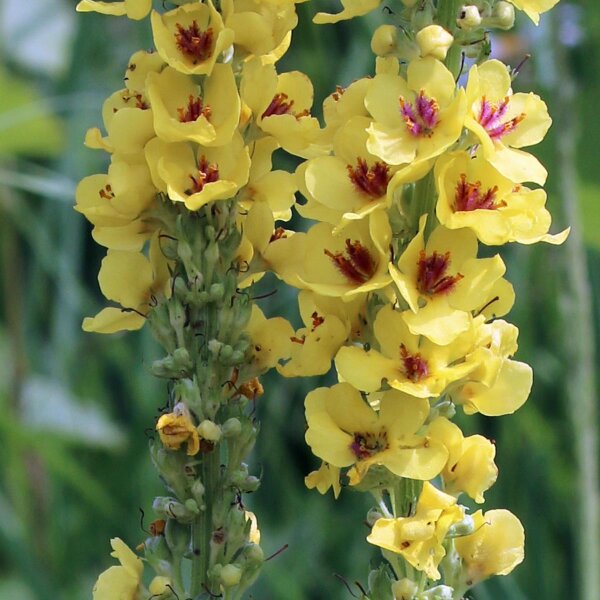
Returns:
(194,110)
(317,320)
(415,367)
(355,263)
(470,196)
(106,192)
(207,173)
(365,445)
(280,106)
(431,274)
(373,180)
(193,43)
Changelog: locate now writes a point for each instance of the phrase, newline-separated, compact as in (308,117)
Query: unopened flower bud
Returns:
(192,506)
(231,428)
(405,589)
(230,575)
(254,554)
(169,508)
(373,515)
(464,527)
(409,3)
(384,40)
(439,592)
(434,41)
(217,290)
(503,16)
(198,491)
(209,431)
(469,18)
(160,585)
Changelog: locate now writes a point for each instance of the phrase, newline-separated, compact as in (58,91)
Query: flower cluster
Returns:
(422,170)
(187,214)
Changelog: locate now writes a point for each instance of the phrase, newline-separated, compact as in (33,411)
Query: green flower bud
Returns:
(230,575)
(184,250)
(169,508)
(209,232)
(231,428)
(226,354)
(373,515)
(157,550)
(209,430)
(198,491)
(503,16)
(177,537)
(464,527)
(214,347)
(237,358)
(217,291)
(439,592)
(404,589)
(192,506)
(254,554)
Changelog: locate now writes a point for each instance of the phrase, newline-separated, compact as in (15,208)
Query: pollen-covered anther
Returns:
(470,196)
(431,274)
(372,180)
(422,117)
(365,445)
(297,340)
(415,367)
(195,44)
(194,110)
(138,98)
(317,320)
(278,234)
(207,173)
(355,263)
(339,92)
(491,115)
(280,106)
(251,389)
(106,192)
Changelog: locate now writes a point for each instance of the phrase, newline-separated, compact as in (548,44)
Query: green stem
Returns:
(446,16)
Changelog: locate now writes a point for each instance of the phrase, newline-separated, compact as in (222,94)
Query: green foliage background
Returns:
(74,468)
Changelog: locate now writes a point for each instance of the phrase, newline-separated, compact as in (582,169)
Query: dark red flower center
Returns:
(415,367)
(355,263)
(373,180)
(431,274)
(195,44)
(491,115)
(422,116)
(194,110)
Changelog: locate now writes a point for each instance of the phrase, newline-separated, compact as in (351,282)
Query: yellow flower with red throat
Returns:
(281,107)
(184,111)
(419,539)
(503,122)
(176,428)
(416,118)
(410,363)
(344,265)
(201,176)
(443,282)
(344,431)
(191,38)
(496,547)
(474,194)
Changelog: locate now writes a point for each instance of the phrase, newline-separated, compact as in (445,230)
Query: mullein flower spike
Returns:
(410,172)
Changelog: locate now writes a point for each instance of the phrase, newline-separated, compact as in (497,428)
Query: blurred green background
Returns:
(74,468)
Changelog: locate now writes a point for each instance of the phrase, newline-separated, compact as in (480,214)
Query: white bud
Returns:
(434,41)
(469,18)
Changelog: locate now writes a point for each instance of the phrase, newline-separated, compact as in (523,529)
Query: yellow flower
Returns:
(254,535)
(191,37)
(281,107)
(473,194)
(470,467)
(498,385)
(134,9)
(496,547)
(120,582)
(418,539)
(329,322)
(184,112)
(177,428)
(503,122)
(325,478)
(344,265)
(113,203)
(410,363)
(417,118)
(271,339)
(533,8)
(443,282)
(197,178)
(259,27)
(343,104)
(352,8)
(131,280)
(352,182)
(343,430)
(276,189)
